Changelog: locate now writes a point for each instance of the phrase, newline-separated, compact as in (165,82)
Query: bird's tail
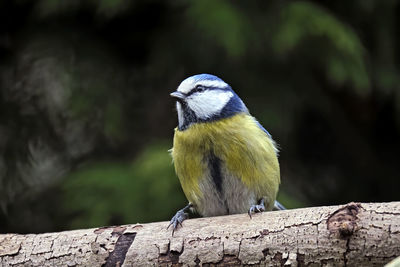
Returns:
(278,206)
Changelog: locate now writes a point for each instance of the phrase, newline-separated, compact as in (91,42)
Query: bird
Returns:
(226,161)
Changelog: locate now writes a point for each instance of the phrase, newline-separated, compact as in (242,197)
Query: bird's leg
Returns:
(179,217)
(257,208)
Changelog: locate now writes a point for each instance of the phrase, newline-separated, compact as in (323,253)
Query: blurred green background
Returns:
(86,120)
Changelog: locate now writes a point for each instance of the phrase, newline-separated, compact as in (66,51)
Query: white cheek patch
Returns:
(181,119)
(188,84)
(208,103)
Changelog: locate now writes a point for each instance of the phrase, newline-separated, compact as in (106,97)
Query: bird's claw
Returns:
(256,208)
(179,217)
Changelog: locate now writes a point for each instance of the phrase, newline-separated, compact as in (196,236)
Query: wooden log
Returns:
(356,234)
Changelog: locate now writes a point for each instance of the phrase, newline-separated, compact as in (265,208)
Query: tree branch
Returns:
(356,234)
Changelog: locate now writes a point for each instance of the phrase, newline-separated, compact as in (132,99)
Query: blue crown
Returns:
(205,76)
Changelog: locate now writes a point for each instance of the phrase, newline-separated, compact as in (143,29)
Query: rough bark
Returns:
(356,234)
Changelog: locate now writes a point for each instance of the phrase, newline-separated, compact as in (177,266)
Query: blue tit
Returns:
(225,160)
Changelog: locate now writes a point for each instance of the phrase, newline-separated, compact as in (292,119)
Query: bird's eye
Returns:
(199,88)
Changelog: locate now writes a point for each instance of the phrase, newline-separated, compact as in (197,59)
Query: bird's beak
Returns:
(178,95)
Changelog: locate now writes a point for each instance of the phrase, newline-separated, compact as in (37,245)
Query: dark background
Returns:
(86,120)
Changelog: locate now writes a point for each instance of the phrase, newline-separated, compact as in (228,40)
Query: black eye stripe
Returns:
(197,88)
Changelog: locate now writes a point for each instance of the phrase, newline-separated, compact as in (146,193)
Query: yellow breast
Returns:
(245,149)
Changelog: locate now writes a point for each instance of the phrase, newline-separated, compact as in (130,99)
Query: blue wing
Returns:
(277,205)
(262,128)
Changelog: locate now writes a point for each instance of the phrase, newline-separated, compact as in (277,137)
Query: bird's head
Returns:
(205,98)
